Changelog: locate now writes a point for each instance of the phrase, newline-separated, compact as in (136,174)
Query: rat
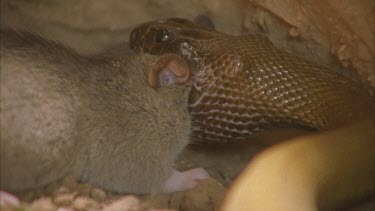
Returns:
(94,117)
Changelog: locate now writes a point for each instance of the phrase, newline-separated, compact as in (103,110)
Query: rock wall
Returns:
(335,33)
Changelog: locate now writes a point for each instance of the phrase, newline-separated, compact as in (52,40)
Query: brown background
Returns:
(335,33)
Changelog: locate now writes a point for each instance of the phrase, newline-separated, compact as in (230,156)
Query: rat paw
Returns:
(181,181)
(8,200)
(207,195)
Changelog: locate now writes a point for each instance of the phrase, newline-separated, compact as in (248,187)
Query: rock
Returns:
(69,182)
(43,204)
(124,203)
(85,203)
(65,209)
(61,190)
(83,189)
(65,199)
(98,194)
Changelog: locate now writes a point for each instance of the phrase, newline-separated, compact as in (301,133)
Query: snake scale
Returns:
(243,85)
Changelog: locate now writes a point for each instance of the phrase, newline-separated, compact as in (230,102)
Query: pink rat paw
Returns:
(181,181)
(8,200)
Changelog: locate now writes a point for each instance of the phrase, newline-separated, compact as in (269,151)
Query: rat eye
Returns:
(161,36)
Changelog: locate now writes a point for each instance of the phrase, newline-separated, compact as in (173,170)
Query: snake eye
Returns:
(161,36)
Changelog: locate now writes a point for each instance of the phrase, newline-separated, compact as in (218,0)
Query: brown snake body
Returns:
(243,84)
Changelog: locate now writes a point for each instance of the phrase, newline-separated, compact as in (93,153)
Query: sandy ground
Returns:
(337,34)
(223,162)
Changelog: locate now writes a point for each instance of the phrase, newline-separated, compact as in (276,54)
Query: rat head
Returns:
(175,35)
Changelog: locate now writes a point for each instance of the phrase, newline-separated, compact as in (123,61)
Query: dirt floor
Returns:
(337,34)
(223,162)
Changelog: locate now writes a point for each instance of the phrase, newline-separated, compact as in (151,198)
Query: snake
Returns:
(243,84)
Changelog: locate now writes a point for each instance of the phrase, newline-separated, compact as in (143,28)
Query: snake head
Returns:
(174,35)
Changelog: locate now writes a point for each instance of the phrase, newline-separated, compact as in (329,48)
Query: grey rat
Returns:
(97,118)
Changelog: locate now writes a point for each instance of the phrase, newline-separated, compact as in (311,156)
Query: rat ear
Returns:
(167,70)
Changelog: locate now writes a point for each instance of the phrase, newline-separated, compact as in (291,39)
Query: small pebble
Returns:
(65,209)
(98,194)
(84,203)
(83,189)
(69,182)
(61,190)
(43,204)
(51,188)
(124,203)
(64,199)
(31,195)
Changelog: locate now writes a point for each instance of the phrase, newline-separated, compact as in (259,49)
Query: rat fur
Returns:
(92,117)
